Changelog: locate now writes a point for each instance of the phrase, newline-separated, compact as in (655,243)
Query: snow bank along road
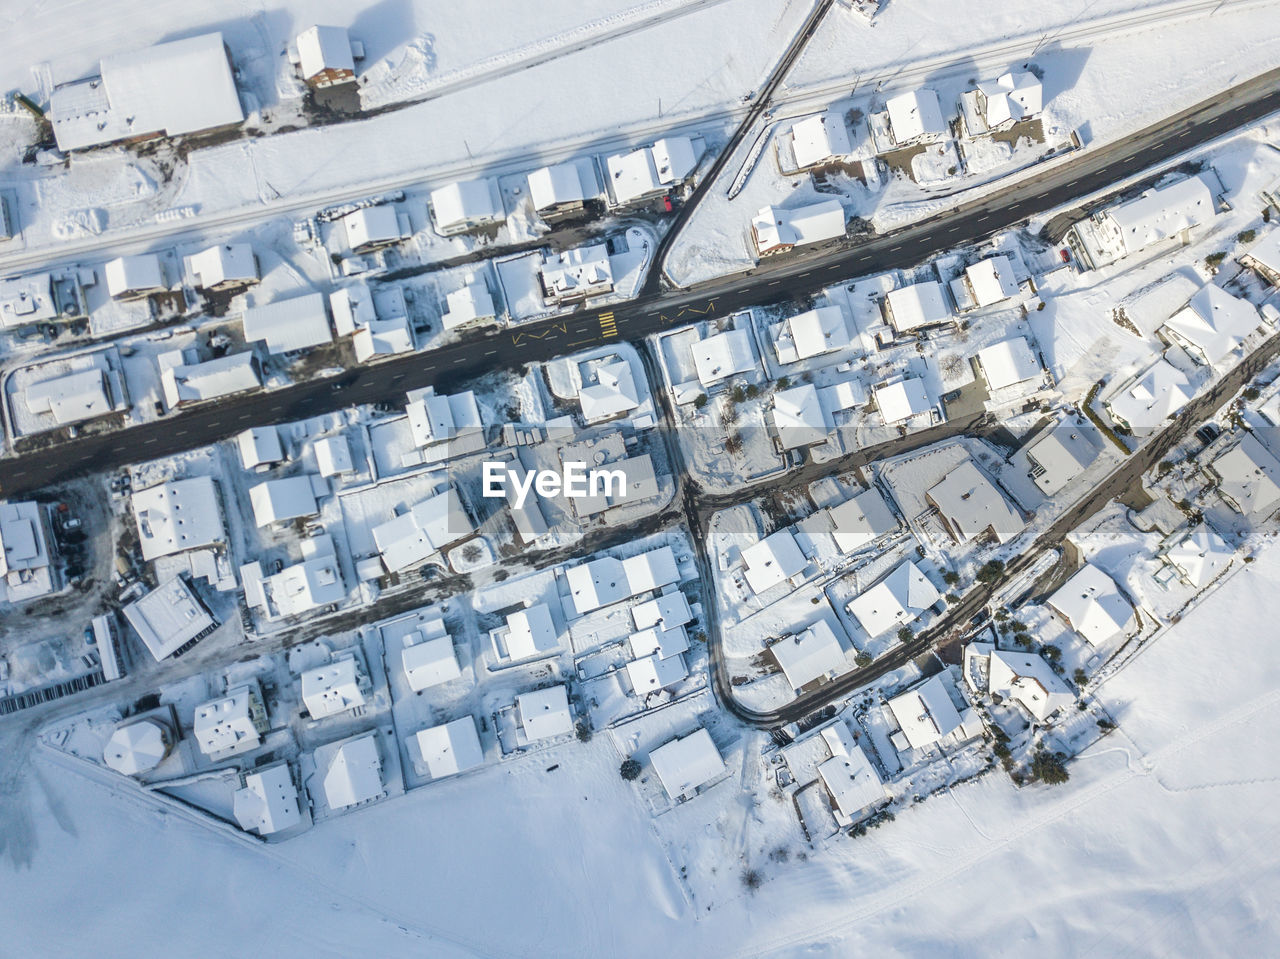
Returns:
(1073,180)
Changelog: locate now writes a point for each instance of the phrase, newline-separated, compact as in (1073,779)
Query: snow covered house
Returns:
(915,117)
(337,687)
(1247,477)
(1264,257)
(28,299)
(676,159)
(996,105)
(470,303)
(324,56)
(170,618)
(1028,680)
(799,417)
(925,715)
(465,206)
(849,775)
(314,582)
(450,748)
(613,393)
(177,516)
(227,266)
(666,612)
(897,600)
(902,399)
(185,382)
(775,559)
(859,521)
(818,139)
(333,456)
(722,355)
(267,801)
(1211,325)
(529,632)
(650,172)
(1009,363)
(685,764)
(606,580)
(76,397)
(233,724)
(654,673)
(412,537)
(138,747)
(1198,556)
(917,305)
(814,655)
(428,657)
(1059,454)
(354,773)
(776,230)
(1091,604)
(378,323)
(134,277)
(289,325)
(557,190)
(578,274)
(280,500)
(26,560)
(449,423)
(663,641)
(972,506)
(984,284)
(812,333)
(170,89)
(1145,401)
(373,228)
(1161,214)
(545,713)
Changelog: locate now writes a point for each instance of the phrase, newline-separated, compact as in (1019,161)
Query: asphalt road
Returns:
(774,280)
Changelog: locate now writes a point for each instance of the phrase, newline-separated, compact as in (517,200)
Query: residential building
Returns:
(613,393)
(996,105)
(301,587)
(685,764)
(821,138)
(337,687)
(233,724)
(849,776)
(1009,363)
(799,417)
(902,399)
(860,520)
(1091,604)
(354,773)
(449,424)
(26,559)
(138,747)
(470,303)
(1028,680)
(1248,478)
(722,355)
(557,190)
(577,274)
(333,456)
(654,673)
(972,506)
(776,230)
(530,632)
(605,581)
(925,713)
(289,325)
(198,382)
(227,266)
(915,117)
(1264,257)
(984,284)
(1212,324)
(267,801)
(450,748)
(1060,453)
(1145,401)
(465,206)
(897,600)
(916,306)
(1161,214)
(775,559)
(413,536)
(649,172)
(324,56)
(428,658)
(668,612)
(813,655)
(372,228)
(280,500)
(545,713)
(75,397)
(134,277)
(812,333)
(1198,556)
(177,516)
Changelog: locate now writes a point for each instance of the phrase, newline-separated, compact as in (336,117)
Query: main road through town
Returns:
(1064,182)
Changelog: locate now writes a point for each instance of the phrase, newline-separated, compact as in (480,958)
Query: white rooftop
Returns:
(606,580)
(259,445)
(775,228)
(1212,324)
(140,273)
(1029,680)
(612,394)
(225,264)
(1093,605)
(322,49)
(815,332)
(819,138)
(471,302)
(136,747)
(1163,212)
(1062,453)
(773,560)
(450,748)
(437,418)
(1009,362)
(1157,394)
(71,398)
(902,399)
(226,723)
(721,355)
(816,653)
(429,662)
(333,456)
(849,775)
(372,226)
(178,515)
(310,584)
(1200,556)
(531,632)
(895,601)
(675,159)
(279,500)
(553,186)
(466,204)
(668,611)
(297,323)
(168,618)
(427,527)
(268,801)
(861,519)
(925,713)
(544,713)
(354,774)
(991,280)
(1012,97)
(920,304)
(685,764)
(333,688)
(652,673)
(915,115)
(800,417)
(199,382)
(666,642)
(1249,477)
(972,504)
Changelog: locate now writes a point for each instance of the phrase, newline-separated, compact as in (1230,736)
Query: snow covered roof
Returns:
(654,672)
(198,382)
(1012,97)
(333,688)
(466,204)
(991,280)
(437,418)
(901,399)
(920,304)
(310,584)
(1163,212)
(24,545)
(896,600)
(176,516)
(268,801)
(354,774)
(685,764)
(557,185)
(799,417)
(297,323)
(722,355)
(333,456)
(971,504)
(915,115)
(849,775)
(668,611)
(173,88)
(429,662)
(604,581)
(259,445)
(819,138)
(27,299)
(450,748)
(427,527)
(773,560)
(325,51)
(675,159)
(77,396)
(531,632)
(1212,324)
(925,713)
(224,265)
(372,226)
(663,640)
(1264,256)
(1009,362)
(228,723)
(134,275)
(816,653)
(278,500)
(1061,453)
(581,271)
(469,303)
(1200,556)
(777,229)
(815,332)
(1157,394)
(1028,679)
(169,617)
(860,520)
(1093,605)
(633,176)
(137,747)
(1249,477)
(544,713)
(612,394)
(383,337)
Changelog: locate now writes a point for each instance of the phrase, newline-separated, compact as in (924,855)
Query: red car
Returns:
(666,203)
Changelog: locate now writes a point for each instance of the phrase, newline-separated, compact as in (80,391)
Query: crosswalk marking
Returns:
(608,327)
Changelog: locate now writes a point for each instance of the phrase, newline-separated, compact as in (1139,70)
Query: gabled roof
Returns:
(467,203)
(774,227)
(604,581)
(685,764)
(666,642)
(450,748)
(140,273)
(324,48)
(430,525)
(920,304)
(818,331)
(268,801)
(333,456)
(468,303)
(1265,254)
(297,323)
(71,398)
(633,175)
(1093,605)
(372,226)
(531,632)
(612,394)
(722,355)
(675,159)
(1213,323)
(1200,556)
(773,560)
(896,600)
(849,776)
(902,399)
(991,280)
(861,519)
(429,662)
(1163,212)
(819,138)
(816,653)
(333,688)
(436,418)
(1063,452)
(925,713)
(668,611)
(277,500)
(1012,97)
(220,376)
(1009,362)
(225,263)
(354,774)
(552,186)
(1029,680)
(259,445)
(1152,398)
(972,504)
(545,713)
(915,115)
(652,673)
(1249,477)
(799,417)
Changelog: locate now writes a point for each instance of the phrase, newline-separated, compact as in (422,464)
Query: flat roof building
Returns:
(177,516)
(169,618)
